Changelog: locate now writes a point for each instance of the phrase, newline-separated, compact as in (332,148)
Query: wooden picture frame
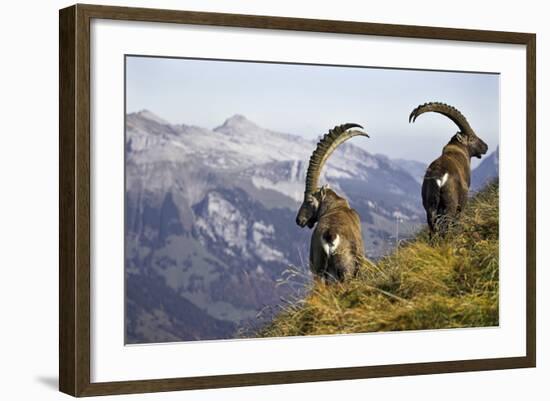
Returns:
(75,200)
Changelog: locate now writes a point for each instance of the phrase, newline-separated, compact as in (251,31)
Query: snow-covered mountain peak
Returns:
(149,115)
(237,119)
(237,123)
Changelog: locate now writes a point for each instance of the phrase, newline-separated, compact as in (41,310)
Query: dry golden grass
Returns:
(424,284)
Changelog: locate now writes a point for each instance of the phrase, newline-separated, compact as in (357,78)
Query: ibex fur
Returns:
(447,180)
(336,247)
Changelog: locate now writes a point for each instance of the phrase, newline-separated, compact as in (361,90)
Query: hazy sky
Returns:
(308,100)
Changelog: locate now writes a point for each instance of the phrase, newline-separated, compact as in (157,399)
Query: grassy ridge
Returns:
(423,284)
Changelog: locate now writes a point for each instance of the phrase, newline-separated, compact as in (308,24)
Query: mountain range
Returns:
(212,248)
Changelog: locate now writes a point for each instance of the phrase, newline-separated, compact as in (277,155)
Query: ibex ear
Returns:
(323,191)
(460,137)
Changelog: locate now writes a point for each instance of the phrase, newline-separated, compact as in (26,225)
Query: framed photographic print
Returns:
(250,200)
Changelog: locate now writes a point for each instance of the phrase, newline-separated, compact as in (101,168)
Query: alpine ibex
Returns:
(336,243)
(447,179)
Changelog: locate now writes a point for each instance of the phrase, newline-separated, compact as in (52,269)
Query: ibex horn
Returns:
(442,108)
(324,149)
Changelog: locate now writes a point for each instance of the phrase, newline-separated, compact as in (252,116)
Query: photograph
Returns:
(267,199)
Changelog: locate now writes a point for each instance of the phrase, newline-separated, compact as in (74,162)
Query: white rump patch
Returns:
(330,248)
(441,181)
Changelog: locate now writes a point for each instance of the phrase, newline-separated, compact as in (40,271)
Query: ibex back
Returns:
(447,180)
(336,243)
(336,247)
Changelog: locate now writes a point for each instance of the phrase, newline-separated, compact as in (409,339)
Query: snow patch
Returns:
(261,231)
(293,190)
(224,221)
(400,216)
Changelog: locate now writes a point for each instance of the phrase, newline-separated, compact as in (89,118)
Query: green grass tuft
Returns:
(424,284)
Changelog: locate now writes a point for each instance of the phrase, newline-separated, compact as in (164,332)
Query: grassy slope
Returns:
(445,283)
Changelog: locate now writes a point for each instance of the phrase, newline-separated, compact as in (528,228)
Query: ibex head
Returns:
(465,137)
(313,195)
(309,211)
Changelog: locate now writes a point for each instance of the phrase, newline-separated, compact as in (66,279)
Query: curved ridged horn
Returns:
(442,108)
(324,149)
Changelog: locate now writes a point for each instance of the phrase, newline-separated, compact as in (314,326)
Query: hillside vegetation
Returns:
(424,284)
